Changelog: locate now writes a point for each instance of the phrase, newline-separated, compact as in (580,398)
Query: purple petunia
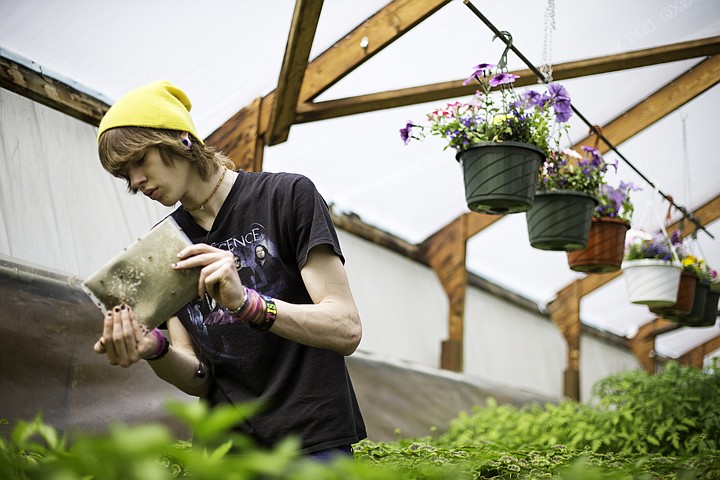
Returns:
(560,101)
(503,78)
(479,71)
(406,133)
(563,110)
(558,92)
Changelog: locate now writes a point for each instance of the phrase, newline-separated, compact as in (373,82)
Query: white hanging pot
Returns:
(652,282)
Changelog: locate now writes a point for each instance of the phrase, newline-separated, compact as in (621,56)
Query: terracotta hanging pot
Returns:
(652,282)
(685,299)
(605,247)
(560,220)
(501,177)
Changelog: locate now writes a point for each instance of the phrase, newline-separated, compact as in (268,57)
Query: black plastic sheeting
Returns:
(47,366)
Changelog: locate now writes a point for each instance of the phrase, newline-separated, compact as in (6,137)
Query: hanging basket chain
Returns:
(546,67)
(541,76)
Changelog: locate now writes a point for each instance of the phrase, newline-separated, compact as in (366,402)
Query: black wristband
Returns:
(270,314)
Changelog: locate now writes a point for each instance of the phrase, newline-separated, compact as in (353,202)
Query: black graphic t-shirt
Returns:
(271,221)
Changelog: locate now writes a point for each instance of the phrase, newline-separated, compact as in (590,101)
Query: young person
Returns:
(281,338)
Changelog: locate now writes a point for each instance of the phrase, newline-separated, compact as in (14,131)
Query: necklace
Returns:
(201,205)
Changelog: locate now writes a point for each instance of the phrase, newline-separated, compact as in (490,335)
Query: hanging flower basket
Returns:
(696,317)
(704,312)
(560,220)
(710,310)
(500,178)
(652,282)
(688,293)
(605,248)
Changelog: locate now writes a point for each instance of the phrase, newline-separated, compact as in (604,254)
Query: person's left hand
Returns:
(218,275)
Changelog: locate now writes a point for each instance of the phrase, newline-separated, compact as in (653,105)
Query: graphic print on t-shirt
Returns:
(258,266)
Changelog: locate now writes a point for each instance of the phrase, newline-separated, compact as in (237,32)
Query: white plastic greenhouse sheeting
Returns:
(60,210)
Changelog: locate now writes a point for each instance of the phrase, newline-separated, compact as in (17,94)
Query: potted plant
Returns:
(652,268)
(500,140)
(691,295)
(710,310)
(701,311)
(610,223)
(568,185)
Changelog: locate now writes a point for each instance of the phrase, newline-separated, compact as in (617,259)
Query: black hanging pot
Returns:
(560,220)
(500,177)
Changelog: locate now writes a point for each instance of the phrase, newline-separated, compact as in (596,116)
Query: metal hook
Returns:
(502,64)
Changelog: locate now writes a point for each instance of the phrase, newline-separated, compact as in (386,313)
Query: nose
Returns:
(136,177)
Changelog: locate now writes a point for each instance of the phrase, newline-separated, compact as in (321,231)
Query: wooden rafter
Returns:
(252,122)
(309,112)
(387,25)
(669,98)
(300,39)
(239,138)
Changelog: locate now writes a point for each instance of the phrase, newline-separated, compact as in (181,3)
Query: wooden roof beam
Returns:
(666,100)
(253,121)
(377,32)
(309,112)
(297,50)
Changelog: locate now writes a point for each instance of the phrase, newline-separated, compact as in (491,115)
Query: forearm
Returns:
(181,368)
(330,324)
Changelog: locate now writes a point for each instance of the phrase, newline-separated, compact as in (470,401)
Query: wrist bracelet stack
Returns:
(258,311)
(163,345)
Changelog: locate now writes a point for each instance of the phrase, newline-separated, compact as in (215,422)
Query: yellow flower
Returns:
(500,118)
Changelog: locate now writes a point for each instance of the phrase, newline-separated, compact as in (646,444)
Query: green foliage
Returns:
(568,170)
(670,413)
(640,427)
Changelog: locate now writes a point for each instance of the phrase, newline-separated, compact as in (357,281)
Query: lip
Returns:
(152,193)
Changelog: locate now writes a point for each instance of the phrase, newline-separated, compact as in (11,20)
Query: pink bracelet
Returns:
(162,345)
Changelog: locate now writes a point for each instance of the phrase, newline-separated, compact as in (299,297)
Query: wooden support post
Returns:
(445,252)
(565,314)
(643,343)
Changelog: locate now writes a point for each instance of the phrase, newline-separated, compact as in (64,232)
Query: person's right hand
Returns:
(124,339)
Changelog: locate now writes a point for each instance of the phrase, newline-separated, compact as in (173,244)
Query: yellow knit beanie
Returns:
(156,105)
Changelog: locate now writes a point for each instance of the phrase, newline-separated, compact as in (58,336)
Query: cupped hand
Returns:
(124,339)
(218,275)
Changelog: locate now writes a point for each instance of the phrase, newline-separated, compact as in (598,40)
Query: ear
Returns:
(185,140)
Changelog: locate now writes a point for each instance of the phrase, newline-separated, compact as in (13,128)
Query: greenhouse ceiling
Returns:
(229,54)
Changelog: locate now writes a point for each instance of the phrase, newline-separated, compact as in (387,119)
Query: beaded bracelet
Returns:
(162,345)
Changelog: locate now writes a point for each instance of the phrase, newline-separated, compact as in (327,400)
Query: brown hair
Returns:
(119,147)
